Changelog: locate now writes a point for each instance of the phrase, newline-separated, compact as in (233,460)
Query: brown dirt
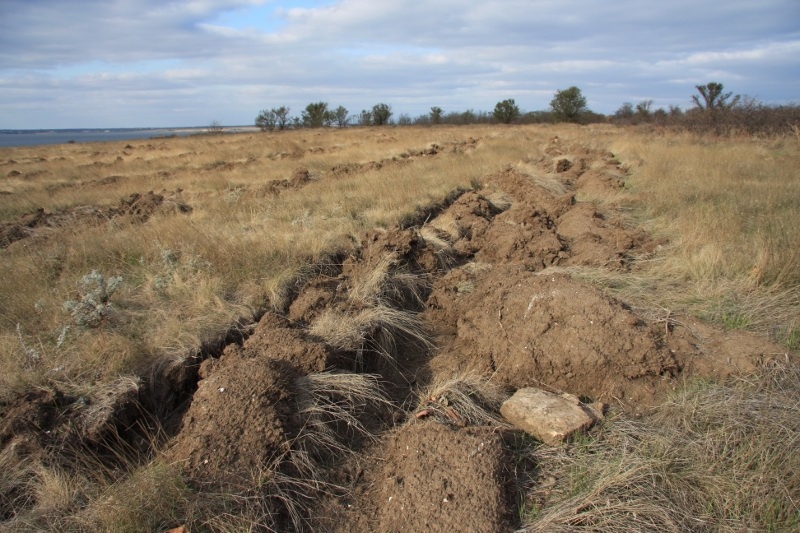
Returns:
(437,478)
(135,208)
(497,302)
(236,424)
(300,178)
(533,329)
(492,293)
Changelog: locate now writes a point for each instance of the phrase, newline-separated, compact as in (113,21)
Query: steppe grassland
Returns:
(188,277)
(727,211)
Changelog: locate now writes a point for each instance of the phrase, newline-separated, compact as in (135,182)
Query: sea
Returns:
(10,138)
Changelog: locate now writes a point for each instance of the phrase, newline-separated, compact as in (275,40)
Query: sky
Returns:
(178,63)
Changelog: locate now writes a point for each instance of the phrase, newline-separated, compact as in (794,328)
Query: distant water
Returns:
(37,137)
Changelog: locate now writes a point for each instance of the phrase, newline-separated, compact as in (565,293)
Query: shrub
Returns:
(281,116)
(93,307)
(340,116)
(266,120)
(317,115)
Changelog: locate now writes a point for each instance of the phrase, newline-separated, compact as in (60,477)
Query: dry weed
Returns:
(715,457)
(463,399)
(331,404)
(387,283)
(446,256)
(378,329)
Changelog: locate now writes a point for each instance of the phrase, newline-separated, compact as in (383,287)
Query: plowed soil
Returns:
(484,284)
(136,208)
(496,301)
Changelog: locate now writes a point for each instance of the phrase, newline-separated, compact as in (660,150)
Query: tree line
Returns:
(714,110)
(318,115)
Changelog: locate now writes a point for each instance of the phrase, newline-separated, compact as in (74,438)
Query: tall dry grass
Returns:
(187,277)
(714,457)
(727,209)
(729,215)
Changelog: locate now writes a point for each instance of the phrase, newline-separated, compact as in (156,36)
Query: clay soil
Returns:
(493,295)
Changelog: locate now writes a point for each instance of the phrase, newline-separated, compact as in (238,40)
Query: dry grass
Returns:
(380,330)
(387,283)
(715,457)
(464,399)
(187,277)
(152,498)
(332,407)
(332,403)
(731,213)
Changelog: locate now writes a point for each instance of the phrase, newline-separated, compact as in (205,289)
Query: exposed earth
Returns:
(480,285)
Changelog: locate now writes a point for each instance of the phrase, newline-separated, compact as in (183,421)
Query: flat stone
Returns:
(551,418)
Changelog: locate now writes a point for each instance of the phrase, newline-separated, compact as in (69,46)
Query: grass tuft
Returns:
(715,457)
(464,399)
(378,329)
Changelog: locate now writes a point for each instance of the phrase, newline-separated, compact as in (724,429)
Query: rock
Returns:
(549,417)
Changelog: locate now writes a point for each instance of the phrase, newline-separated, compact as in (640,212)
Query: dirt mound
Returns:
(440,479)
(31,414)
(532,329)
(300,178)
(237,423)
(52,418)
(143,206)
(135,208)
(244,415)
(275,338)
(108,180)
(219,166)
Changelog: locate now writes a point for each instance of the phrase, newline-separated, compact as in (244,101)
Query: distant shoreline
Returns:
(10,138)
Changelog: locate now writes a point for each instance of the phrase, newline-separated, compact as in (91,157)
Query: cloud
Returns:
(188,62)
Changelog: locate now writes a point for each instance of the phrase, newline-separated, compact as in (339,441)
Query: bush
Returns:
(281,116)
(93,308)
(340,116)
(266,120)
(317,115)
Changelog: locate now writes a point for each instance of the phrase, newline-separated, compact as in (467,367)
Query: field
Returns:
(314,330)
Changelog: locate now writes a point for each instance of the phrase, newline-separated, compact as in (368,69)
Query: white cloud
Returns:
(178,61)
